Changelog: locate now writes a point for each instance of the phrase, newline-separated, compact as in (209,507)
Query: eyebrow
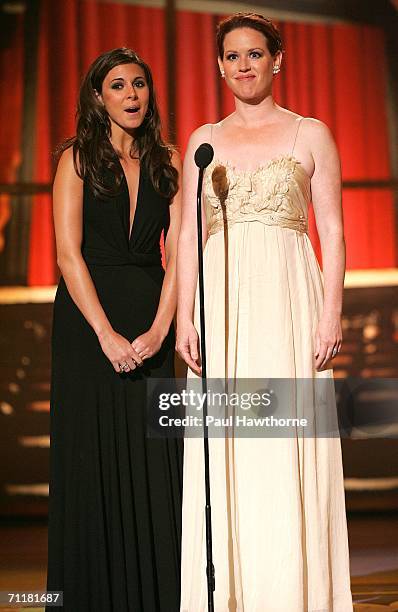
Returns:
(122,79)
(249,50)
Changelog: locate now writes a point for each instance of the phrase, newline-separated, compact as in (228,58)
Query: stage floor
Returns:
(373,542)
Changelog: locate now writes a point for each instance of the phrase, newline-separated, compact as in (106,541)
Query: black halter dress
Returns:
(115,494)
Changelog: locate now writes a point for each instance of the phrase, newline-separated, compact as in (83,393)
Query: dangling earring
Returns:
(276,69)
(149,114)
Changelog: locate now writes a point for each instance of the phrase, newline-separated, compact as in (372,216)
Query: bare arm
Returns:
(326,198)
(149,343)
(187,261)
(67,208)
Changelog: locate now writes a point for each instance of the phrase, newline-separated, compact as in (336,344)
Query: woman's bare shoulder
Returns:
(310,123)
(66,157)
(316,131)
(67,161)
(66,167)
(203,131)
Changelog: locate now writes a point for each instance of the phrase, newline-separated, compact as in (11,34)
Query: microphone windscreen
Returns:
(204,155)
(220,182)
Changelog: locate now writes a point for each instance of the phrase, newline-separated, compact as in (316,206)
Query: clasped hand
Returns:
(126,356)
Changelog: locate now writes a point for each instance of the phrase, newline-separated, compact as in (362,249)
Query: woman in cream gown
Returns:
(278,509)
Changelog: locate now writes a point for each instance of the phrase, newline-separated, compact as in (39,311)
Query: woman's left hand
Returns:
(328,339)
(148,344)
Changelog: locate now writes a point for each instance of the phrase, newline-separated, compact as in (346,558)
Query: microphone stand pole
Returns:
(209,552)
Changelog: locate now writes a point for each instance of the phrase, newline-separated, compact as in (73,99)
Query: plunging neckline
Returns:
(131,224)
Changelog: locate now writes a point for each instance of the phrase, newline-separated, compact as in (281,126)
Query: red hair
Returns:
(249,20)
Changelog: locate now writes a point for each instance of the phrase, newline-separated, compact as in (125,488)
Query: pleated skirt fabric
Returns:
(278,507)
(115,493)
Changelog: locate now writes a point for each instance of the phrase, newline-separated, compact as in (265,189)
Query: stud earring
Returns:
(276,69)
(222,74)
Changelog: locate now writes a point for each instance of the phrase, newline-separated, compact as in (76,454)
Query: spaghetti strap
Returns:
(297,131)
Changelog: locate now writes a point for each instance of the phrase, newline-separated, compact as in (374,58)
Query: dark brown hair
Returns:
(249,20)
(92,149)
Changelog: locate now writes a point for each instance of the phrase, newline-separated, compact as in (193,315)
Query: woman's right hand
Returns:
(119,351)
(187,345)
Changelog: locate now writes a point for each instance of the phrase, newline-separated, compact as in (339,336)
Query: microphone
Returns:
(204,155)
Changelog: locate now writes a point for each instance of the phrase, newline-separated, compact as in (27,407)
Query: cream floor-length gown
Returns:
(278,509)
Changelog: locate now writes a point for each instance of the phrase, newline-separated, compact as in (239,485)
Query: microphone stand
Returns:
(209,548)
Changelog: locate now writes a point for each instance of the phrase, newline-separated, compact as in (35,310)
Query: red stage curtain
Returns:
(336,73)
(197,74)
(333,72)
(11,79)
(71,35)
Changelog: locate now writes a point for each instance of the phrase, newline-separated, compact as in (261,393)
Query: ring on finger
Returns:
(334,352)
(124,366)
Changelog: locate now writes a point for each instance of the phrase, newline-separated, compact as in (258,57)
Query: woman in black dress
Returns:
(115,494)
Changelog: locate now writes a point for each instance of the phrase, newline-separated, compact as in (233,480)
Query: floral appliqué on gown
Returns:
(278,508)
